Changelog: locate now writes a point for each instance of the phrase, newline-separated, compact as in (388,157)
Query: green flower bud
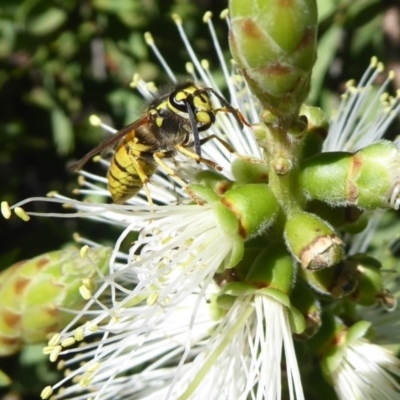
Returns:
(33,292)
(247,172)
(241,270)
(312,241)
(214,180)
(332,357)
(369,278)
(274,44)
(273,268)
(348,219)
(317,130)
(337,281)
(303,298)
(254,206)
(367,179)
(332,331)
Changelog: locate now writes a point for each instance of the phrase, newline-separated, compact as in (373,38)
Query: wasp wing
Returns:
(108,142)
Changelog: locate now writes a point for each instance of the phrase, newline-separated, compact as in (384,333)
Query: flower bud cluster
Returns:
(34,294)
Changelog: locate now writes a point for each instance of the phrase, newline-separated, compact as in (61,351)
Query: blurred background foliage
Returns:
(62,60)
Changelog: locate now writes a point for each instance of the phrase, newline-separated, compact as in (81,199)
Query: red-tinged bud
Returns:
(274,44)
(33,294)
(254,206)
(368,179)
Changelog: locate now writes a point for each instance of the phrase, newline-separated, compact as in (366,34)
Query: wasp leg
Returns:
(231,149)
(241,120)
(194,156)
(158,159)
(236,113)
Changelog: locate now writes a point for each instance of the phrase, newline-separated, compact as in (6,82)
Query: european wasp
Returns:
(171,124)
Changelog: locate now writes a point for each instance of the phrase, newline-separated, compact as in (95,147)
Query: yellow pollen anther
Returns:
(97,158)
(148,37)
(205,64)
(94,120)
(68,342)
(84,251)
(350,83)
(167,301)
(374,62)
(86,380)
(20,212)
(135,81)
(79,334)
(384,97)
(52,194)
(5,210)
(152,299)
(93,367)
(76,191)
(55,353)
(224,13)
(189,68)
(380,67)
(77,237)
(91,326)
(60,365)
(207,16)
(55,340)
(88,283)
(151,87)
(46,392)
(47,349)
(391,75)
(177,19)
(353,90)
(81,180)
(85,292)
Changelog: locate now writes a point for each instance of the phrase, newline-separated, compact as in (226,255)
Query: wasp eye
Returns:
(179,100)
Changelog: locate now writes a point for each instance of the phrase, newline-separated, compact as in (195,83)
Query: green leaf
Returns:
(297,320)
(5,380)
(326,9)
(62,131)
(327,46)
(46,22)
(357,331)
(238,289)
(360,13)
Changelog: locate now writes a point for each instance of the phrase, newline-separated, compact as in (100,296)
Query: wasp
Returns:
(171,124)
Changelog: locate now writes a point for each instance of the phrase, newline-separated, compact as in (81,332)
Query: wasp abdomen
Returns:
(124,180)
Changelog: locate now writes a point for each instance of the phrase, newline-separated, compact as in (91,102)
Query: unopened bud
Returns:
(274,44)
(312,241)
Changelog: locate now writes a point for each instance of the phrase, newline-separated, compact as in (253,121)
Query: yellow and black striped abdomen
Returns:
(128,172)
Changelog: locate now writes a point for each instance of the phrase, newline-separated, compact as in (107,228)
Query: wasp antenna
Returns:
(193,124)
